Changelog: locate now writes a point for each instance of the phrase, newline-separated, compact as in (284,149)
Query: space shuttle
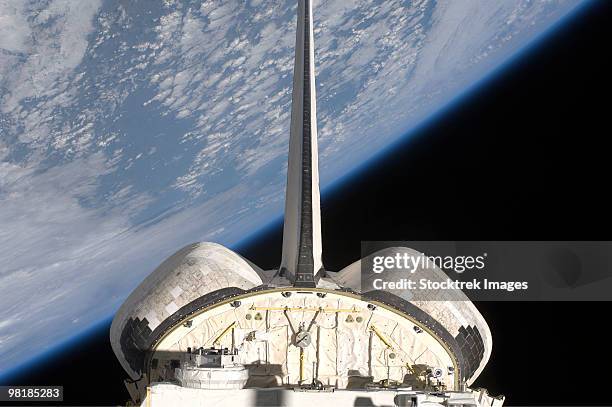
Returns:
(208,324)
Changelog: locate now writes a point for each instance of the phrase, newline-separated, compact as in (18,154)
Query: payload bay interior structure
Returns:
(208,325)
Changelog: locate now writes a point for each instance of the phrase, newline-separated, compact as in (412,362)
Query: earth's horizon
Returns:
(125,135)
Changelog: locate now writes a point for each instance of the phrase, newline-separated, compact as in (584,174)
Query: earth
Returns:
(130,129)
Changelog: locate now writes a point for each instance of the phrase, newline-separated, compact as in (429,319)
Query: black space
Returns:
(526,158)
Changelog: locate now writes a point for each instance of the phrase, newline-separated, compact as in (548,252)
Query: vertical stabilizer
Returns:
(301,261)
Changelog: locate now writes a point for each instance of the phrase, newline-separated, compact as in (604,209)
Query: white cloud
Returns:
(53,43)
(14,30)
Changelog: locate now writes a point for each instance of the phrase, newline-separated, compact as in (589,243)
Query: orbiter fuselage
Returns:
(209,324)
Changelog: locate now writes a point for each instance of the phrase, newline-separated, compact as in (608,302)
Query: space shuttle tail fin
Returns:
(302,248)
